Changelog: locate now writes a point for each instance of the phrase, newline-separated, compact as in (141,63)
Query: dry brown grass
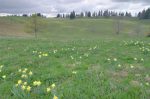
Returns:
(12,29)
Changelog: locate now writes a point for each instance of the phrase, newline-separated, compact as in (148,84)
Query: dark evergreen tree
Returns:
(94,14)
(89,14)
(58,15)
(25,15)
(63,16)
(72,15)
(82,14)
(145,14)
(106,13)
(99,13)
(39,15)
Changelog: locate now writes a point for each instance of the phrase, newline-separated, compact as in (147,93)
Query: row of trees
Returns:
(101,13)
(36,20)
(37,14)
(145,14)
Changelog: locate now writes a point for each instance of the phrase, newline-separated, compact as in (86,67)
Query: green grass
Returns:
(65,29)
(80,60)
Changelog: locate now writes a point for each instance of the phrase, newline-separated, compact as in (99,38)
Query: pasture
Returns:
(74,59)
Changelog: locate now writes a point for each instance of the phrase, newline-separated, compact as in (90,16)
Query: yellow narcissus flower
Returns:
(115,59)
(1,66)
(147,83)
(119,65)
(135,59)
(72,57)
(25,83)
(55,51)
(55,97)
(132,66)
(53,85)
(40,56)
(19,70)
(108,59)
(4,76)
(74,72)
(23,87)
(34,51)
(30,73)
(24,71)
(28,88)
(45,54)
(24,76)
(16,85)
(19,82)
(48,89)
(36,83)
(142,59)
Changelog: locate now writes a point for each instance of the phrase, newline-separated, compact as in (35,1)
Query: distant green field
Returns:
(65,29)
(74,59)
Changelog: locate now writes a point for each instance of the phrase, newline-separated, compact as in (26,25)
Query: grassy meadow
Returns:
(74,59)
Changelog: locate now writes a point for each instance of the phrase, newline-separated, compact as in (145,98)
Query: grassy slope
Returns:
(60,29)
(96,77)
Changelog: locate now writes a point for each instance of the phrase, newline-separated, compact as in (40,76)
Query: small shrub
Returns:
(148,35)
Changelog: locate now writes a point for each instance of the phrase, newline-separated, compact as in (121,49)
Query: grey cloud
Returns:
(136,1)
(29,6)
(65,6)
(13,4)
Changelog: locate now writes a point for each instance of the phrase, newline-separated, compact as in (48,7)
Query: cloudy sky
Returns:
(65,6)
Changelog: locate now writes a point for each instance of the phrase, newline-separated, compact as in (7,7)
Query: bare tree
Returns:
(117,24)
(32,25)
(34,22)
(138,28)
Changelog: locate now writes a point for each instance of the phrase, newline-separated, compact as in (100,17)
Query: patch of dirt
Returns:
(135,83)
(120,74)
(147,79)
(94,68)
(71,65)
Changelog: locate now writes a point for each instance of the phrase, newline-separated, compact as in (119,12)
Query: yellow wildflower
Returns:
(53,85)
(55,97)
(19,70)
(25,83)
(24,76)
(74,72)
(4,76)
(23,87)
(115,59)
(1,66)
(40,56)
(119,65)
(37,83)
(19,82)
(132,66)
(147,83)
(30,73)
(16,85)
(28,88)
(48,89)
(135,59)
(34,83)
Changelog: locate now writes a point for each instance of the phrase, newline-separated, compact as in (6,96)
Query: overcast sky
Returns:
(65,6)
